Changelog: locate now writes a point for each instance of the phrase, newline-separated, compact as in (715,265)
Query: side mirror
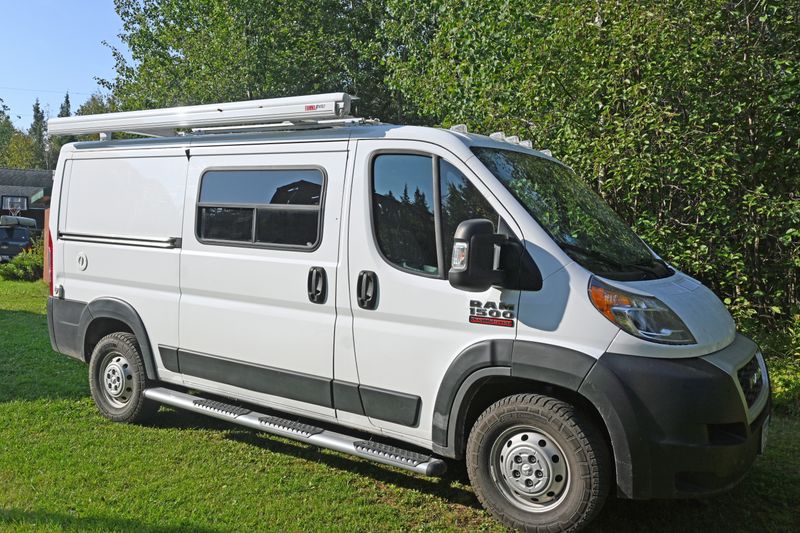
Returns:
(472,264)
(482,259)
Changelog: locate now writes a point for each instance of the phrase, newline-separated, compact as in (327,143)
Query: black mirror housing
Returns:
(473,269)
(476,274)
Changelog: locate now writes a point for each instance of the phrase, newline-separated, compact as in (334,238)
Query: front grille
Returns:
(751,379)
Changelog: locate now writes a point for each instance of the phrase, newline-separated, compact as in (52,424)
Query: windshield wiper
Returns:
(648,270)
(591,254)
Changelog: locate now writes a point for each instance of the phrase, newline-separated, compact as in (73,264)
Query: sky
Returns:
(49,47)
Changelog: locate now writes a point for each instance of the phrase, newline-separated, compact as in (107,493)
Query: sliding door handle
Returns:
(367,290)
(317,285)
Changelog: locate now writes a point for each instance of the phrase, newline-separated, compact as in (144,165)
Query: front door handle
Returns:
(367,290)
(317,285)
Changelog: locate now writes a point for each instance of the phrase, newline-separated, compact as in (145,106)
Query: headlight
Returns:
(645,317)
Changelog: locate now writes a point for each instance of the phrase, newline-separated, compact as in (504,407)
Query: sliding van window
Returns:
(274,207)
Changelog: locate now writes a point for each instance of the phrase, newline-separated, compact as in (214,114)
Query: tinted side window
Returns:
(460,201)
(403,211)
(277,207)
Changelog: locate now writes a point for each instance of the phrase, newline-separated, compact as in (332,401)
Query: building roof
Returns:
(26,178)
(36,185)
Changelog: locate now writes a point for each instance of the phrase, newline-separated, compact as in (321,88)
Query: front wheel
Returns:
(536,465)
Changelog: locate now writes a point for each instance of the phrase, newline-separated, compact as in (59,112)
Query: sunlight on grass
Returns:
(63,467)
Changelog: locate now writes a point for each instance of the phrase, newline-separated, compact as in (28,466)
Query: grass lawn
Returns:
(63,467)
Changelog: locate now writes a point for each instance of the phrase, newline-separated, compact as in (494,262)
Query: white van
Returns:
(404,294)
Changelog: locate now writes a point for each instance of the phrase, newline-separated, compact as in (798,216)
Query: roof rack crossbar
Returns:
(158,122)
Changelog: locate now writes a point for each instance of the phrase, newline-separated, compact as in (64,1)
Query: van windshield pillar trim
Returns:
(128,240)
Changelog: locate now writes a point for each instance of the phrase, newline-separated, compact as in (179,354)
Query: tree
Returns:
(57,142)
(6,131)
(38,135)
(21,152)
(96,104)
(682,114)
(65,110)
(202,51)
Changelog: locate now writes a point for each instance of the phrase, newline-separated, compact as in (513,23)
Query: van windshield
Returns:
(577,219)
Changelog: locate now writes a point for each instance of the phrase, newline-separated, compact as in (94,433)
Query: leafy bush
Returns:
(26,266)
(683,115)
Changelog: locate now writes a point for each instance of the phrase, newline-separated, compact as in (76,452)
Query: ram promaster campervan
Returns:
(403,294)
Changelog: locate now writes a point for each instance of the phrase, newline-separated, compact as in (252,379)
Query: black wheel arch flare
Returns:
(122,311)
(543,363)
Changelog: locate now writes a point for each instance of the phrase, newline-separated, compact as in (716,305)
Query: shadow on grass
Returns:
(17,519)
(757,504)
(445,487)
(29,369)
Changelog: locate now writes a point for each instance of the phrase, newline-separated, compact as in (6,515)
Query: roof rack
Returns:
(286,125)
(296,110)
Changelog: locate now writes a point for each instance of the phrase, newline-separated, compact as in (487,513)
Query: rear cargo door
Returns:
(258,272)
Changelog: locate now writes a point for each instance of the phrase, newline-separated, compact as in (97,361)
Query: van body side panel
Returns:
(245,304)
(116,199)
(421,323)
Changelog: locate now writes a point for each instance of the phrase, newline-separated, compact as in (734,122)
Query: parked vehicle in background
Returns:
(344,282)
(16,235)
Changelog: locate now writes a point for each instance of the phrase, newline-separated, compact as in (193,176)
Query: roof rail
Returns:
(286,125)
(313,108)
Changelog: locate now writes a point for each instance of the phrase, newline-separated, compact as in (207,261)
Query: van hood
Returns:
(703,313)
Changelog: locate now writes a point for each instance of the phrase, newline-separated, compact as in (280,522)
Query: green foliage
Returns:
(19,152)
(200,51)
(682,115)
(26,266)
(6,131)
(66,108)
(38,135)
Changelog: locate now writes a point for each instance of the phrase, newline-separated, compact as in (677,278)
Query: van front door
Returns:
(409,324)
(258,273)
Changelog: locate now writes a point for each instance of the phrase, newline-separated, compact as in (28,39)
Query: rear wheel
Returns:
(117,379)
(536,465)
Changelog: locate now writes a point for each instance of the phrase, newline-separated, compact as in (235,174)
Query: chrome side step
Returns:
(300,431)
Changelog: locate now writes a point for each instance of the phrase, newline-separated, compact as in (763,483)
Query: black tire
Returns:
(515,466)
(117,379)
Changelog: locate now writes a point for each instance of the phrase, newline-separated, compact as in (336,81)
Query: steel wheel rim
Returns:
(116,379)
(529,468)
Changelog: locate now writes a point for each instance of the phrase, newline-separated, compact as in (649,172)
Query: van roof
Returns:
(456,142)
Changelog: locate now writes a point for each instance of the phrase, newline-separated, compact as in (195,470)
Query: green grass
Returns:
(64,468)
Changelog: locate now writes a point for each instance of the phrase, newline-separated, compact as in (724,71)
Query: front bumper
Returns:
(682,427)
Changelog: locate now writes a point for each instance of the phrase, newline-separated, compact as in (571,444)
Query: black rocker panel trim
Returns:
(391,406)
(267,380)
(347,397)
(169,358)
